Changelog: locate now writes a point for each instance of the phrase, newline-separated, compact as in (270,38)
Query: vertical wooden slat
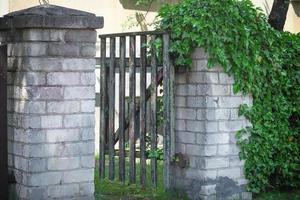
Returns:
(143,109)
(172,111)
(103,107)
(112,109)
(132,124)
(166,88)
(153,113)
(3,124)
(122,110)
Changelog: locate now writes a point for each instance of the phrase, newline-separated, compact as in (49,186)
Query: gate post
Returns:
(51,101)
(207,164)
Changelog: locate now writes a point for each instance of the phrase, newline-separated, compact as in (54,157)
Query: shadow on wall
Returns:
(296,6)
(155,5)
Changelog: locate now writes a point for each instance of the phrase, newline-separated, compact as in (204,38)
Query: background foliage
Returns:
(265,63)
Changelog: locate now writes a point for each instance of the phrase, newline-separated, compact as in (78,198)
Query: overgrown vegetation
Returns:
(265,64)
(115,190)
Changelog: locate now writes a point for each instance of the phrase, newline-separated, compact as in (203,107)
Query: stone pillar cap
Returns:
(50,16)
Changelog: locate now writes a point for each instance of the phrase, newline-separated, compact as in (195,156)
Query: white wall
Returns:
(3,7)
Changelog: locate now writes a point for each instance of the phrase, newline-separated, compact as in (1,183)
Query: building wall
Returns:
(117,12)
(4,7)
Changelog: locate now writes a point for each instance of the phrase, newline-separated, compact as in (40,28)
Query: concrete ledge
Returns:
(71,22)
(50,16)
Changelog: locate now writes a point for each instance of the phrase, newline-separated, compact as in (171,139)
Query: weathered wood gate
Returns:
(3,124)
(133,126)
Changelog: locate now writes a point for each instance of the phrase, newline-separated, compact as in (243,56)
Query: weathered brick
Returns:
(195,126)
(202,150)
(88,106)
(215,163)
(180,101)
(20,163)
(88,51)
(37,165)
(79,93)
(79,120)
(201,174)
(63,49)
(195,102)
(62,135)
(42,35)
(225,79)
(38,107)
(228,149)
(28,78)
(46,178)
(185,113)
(67,163)
(200,65)
(180,148)
(211,127)
(36,193)
(217,138)
(212,102)
(87,148)
(232,173)
(235,161)
(88,78)
(62,149)
(208,189)
(78,176)
(217,90)
(211,77)
(27,49)
(54,121)
(46,93)
(66,107)
(230,102)
(210,150)
(87,133)
(81,36)
(63,78)
(185,90)
(186,137)
(87,188)
(87,161)
(180,125)
(44,64)
(60,191)
(218,114)
(199,53)
(229,126)
(180,78)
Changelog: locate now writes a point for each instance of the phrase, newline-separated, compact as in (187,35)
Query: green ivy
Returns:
(265,64)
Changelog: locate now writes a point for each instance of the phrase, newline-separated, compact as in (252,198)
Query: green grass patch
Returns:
(279,195)
(115,190)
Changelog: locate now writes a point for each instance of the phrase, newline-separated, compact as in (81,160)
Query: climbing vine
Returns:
(265,64)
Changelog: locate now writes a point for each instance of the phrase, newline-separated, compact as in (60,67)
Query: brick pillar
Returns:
(51,101)
(206,123)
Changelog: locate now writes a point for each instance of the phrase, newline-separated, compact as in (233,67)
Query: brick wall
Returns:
(206,123)
(51,103)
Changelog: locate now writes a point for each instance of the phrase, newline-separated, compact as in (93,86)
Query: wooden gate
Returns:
(3,124)
(153,60)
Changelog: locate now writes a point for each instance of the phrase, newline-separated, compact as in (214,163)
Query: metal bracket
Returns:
(181,160)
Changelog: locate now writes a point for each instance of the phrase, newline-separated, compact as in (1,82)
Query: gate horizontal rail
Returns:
(134,124)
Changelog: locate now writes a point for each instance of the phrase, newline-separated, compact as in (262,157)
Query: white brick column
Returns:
(206,123)
(51,91)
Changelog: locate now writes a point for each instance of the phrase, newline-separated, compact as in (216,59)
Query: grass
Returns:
(115,190)
(279,195)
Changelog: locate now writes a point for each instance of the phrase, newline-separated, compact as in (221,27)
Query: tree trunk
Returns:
(278,14)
